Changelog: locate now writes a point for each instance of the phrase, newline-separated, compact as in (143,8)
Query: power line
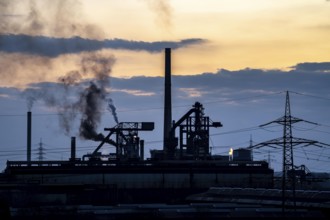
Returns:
(313,96)
(146,109)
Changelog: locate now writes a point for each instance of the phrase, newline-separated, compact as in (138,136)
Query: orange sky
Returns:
(239,34)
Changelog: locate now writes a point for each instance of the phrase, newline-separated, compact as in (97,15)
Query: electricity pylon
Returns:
(287,142)
(41,151)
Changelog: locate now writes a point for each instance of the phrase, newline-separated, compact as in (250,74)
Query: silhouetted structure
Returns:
(185,166)
(168,152)
(29,130)
(287,142)
(41,152)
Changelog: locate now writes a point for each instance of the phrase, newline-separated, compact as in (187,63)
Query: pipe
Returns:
(29,131)
(167,103)
(73,149)
(141,150)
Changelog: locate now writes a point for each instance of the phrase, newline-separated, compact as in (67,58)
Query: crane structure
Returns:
(287,142)
(127,142)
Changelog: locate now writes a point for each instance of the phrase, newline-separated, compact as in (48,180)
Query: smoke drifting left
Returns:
(70,96)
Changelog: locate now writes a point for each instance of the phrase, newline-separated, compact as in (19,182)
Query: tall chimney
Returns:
(142,150)
(167,102)
(73,149)
(29,128)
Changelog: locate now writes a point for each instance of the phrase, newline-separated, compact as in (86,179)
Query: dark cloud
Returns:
(222,86)
(53,47)
(324,67)
(207,87)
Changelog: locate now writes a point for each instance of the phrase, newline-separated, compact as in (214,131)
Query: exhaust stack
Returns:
(167,102)
(73,149)
(29,129)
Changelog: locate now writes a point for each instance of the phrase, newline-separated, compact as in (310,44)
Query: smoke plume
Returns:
(112,109)
(93,98)
(72,98)
(25,30)
(47,17)
(21,23)
(163,12)
(90,102)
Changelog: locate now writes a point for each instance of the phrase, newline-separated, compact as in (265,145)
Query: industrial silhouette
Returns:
(172,183)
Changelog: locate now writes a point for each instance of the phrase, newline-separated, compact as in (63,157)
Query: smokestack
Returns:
(142,150)
(73,149)
(29,128)
(167,101)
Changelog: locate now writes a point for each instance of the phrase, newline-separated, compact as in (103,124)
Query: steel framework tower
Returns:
(41,151)
(287,120)
(287,142)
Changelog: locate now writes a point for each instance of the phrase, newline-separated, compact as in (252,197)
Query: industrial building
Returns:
(183,168)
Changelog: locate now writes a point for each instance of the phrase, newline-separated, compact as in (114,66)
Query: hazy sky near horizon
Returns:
(238,57)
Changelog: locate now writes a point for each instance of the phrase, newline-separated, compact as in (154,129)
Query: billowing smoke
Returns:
(90,102)
(93,98)
(71,97)
(25,28)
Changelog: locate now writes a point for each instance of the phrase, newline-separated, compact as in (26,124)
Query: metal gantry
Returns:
(193,138)
(127,142)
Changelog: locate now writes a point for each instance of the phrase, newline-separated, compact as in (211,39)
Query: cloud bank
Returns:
(307,78)
(53,47)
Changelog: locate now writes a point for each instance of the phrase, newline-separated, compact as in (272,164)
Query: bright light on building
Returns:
(231,154)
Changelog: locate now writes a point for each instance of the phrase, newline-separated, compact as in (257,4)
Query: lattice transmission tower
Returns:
(41,151)
(287,142)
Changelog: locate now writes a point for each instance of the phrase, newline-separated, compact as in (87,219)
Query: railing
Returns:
(185,163)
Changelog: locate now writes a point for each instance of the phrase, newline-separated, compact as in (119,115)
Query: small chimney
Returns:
(29,129)
(73,149)
(167,102)
(142,150)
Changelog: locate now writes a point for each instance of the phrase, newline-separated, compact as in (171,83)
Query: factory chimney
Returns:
(73,149)
(29,128)
(167,102)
